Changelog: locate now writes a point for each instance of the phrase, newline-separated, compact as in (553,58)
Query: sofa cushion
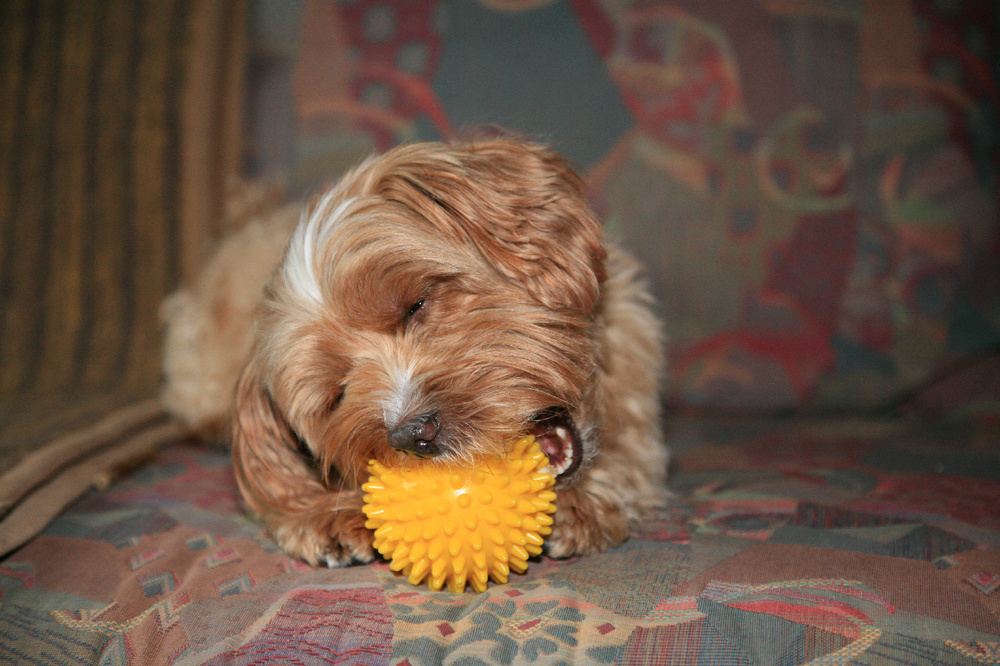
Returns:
(117,130)
(849,541)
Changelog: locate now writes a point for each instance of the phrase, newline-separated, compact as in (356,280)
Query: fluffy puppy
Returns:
(439,301)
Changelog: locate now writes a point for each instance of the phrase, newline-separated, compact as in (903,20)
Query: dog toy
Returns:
(453,524)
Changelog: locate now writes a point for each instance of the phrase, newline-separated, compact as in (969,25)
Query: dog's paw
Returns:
(332,539)
(350,541)
(585,524)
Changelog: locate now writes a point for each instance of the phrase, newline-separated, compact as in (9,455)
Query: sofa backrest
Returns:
(812,185)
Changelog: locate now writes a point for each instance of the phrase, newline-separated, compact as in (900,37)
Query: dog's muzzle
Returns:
(552,428)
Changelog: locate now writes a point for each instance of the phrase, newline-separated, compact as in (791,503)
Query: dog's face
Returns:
(438,302)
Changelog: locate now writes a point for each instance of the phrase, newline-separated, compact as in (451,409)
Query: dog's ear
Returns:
(273,475)
(523,208)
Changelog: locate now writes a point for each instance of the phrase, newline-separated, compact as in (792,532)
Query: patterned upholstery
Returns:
(813,185)
(785,544)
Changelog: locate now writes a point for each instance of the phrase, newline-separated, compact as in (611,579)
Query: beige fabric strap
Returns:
(37,489)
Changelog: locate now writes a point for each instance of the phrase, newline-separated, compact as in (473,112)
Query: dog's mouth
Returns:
(556,435)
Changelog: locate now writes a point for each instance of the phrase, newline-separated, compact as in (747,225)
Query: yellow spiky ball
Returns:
(452,524)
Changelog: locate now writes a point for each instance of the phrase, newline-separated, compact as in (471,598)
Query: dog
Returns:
(439,301)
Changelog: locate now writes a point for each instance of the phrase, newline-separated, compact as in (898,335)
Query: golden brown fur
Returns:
(459,292)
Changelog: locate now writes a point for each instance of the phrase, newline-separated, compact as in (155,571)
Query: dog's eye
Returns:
(337,399)
(413,309)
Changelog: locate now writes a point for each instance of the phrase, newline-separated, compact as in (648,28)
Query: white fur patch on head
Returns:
(404,395)
(301,266)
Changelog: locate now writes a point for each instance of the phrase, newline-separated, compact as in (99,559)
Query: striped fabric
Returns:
(113,150)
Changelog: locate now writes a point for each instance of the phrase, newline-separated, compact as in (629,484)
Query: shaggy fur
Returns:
(440,300)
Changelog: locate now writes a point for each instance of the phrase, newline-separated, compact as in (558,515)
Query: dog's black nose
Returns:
(417,436)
